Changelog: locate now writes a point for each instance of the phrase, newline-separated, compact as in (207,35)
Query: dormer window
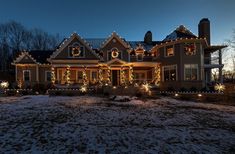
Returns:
(169,51)
(190,49)
(76,50)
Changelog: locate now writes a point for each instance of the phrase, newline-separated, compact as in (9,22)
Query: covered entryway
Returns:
(115,77)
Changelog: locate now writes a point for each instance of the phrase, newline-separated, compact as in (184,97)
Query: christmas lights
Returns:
(53,75)
(67,75)
(131,75)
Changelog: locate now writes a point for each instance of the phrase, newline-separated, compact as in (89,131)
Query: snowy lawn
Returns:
(97,125)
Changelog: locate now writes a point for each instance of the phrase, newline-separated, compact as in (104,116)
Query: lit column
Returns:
(131,75)
(100,76)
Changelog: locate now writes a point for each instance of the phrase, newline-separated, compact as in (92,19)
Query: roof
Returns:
(41,55)
(214,48)
(95,43)
(147,47)
(180,32)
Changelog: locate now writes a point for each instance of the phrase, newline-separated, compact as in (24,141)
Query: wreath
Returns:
(76,51)
(115,54)
(190,49)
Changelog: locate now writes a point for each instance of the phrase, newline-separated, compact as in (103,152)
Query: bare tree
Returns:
(42,40)
(14,37)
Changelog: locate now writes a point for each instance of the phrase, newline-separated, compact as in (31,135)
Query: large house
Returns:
(181,60)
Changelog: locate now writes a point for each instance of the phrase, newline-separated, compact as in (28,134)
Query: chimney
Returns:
(204,30)
(148,37)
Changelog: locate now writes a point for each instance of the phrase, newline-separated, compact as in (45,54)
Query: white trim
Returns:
(176,78)
(29,75)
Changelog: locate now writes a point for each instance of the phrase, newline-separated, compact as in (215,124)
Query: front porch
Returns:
(114,73)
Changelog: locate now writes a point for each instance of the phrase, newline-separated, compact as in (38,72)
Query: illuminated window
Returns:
(170,73)
(191,72)
(48,76)
(170,51)
(190,49)
(26,75)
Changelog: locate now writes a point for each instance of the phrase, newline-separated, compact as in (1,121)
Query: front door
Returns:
(115,75)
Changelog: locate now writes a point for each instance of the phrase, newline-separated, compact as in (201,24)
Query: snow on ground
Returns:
(43,124)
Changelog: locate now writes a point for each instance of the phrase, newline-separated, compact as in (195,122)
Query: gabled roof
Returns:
(22,56)
(116,61)
(180,32)
(146,47)
(115,35)
(36,56)
(70,39)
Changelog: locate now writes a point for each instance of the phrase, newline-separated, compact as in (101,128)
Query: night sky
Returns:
(129,18)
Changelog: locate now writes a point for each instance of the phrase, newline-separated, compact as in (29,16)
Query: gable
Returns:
(75,48)
(116,62)
(25,58)
(114,39)
(115,42)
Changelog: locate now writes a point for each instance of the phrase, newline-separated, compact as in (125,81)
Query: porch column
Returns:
(37,74)
(221,67)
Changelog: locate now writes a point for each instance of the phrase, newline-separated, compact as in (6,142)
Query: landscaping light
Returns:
(176,95)
(146,87)
(219,87)
(114,87)
(4,84)
(199,95)
(83,89)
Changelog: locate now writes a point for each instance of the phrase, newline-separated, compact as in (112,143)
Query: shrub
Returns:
(193,89)
(170,89)
(39,88)
(183,89)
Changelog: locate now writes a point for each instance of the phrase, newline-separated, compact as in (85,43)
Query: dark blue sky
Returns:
(129,18)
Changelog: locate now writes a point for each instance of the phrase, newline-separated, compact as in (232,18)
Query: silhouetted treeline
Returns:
(14,37)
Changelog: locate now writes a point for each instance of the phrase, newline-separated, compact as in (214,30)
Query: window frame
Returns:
(191,72)
(195,45)
(165,50)
(24,75)
(176,73)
